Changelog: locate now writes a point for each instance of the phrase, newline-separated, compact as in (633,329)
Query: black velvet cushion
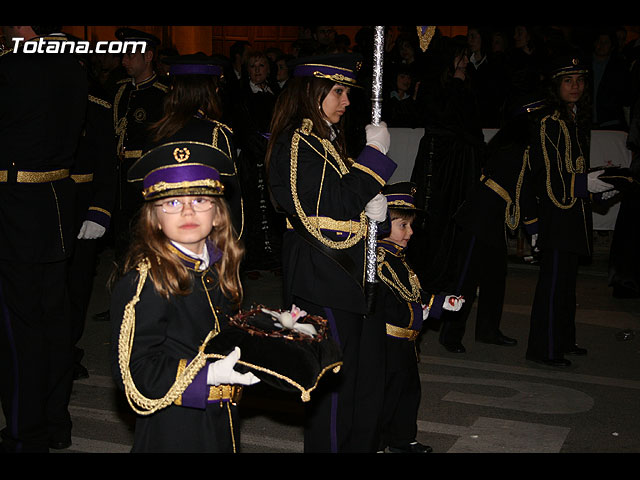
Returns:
(284,359)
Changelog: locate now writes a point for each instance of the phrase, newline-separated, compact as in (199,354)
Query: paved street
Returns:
(488,400)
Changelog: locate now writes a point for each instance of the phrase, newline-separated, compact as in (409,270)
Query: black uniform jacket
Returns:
(559,160)
(399,298)
(42,108)
(168,332)
(212,132)
(502,197)
(310,181)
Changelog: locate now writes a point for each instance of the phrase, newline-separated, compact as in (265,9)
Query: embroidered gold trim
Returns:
(164,186)
(394,282)
(425,38)
(378,178)
(102,210)
(133,154)
(82,178)
(327,223)
(329,150)
(36,177)
(400,332)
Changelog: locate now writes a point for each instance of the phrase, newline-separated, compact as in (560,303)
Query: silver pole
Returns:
(376,99)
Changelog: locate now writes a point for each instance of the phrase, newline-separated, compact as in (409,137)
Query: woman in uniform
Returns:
(327,199)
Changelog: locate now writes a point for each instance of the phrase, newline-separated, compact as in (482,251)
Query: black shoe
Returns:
(500,339)
(59,444)
(454,347)
(552,362)
(413,447)
(102,316)
(576,350)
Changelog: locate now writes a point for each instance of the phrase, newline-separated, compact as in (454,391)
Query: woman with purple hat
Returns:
(327,199)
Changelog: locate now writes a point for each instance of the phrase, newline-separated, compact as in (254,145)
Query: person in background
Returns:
(43,101)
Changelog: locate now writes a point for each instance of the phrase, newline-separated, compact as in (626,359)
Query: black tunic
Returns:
(168,333)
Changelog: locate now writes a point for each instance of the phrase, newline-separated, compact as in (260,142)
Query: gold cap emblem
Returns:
(181,154)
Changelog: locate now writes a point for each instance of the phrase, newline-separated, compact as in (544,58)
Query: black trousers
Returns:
(480,265)
(552,329)
(35,355)
(331,422)
(402,394)
(82,268)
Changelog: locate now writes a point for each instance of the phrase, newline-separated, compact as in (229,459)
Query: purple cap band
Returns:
(175,174)
(325,71)
(398,197)
(192,69)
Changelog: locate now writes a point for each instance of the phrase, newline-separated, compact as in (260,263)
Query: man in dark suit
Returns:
(137,104)
(42,107)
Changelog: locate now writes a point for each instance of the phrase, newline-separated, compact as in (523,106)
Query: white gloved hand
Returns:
(221,372)
(609,194)
(452,303)
(425,312)
(595,185)
(378,136)
(534,240)
(376,208)
(90,230)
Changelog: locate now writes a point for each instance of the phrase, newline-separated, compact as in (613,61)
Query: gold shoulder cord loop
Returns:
(138,402)
(315,229)
(394,282)
(513,220)
(579,168)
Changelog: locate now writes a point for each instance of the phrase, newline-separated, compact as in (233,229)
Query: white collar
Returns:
(203,257)
(257,89)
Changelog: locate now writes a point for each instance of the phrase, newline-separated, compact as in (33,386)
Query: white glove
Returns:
(452,303)
(221,372)
(378,136)
(534,240)
(376,208)
(91,230)
(425,312)
(595,185)
(609,194)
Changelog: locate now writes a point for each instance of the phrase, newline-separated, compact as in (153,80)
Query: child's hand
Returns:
(221,372)
(452,303)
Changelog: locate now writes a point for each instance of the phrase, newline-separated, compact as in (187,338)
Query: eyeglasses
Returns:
(175,205)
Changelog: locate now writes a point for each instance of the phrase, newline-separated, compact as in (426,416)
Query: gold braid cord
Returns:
(395,283)
(329,149)
(139,403)
(513,221)
(568,163)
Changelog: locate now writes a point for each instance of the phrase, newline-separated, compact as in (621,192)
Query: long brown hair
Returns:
(302,98)
(168,274)
(188,95)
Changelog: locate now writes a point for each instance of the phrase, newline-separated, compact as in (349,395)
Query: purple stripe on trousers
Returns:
(554,278)
(14,407)
(333,431)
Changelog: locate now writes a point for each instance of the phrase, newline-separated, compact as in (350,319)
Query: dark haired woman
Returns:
(327,198)
(559,160)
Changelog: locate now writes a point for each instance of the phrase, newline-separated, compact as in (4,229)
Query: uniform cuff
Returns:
(580,188)
(196,394)
(99,216)
(531,226)
(376,164)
